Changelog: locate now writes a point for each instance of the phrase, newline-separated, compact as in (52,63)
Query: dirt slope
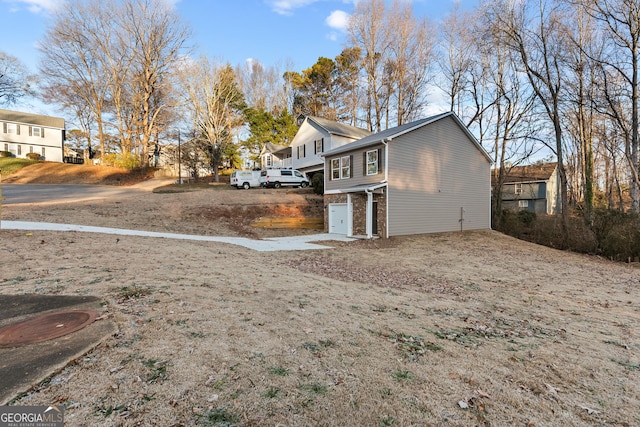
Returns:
(64,173)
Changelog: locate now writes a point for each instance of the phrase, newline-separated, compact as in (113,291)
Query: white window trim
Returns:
(518,188)
(523,203)
(344,165)
(375,162)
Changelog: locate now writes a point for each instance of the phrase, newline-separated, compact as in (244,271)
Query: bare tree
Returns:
(412,53)
(116,56)
(533,30)
(215,102)
(458,57)
(368,30)
(620,21)
(73,63)
(15,81)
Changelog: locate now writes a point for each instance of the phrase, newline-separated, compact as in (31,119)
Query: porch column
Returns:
(369,214)
(349,216)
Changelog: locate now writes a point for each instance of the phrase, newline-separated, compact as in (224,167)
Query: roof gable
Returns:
(390,134)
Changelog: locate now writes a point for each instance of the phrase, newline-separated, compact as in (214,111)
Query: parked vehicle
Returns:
(245,179)
(276,178)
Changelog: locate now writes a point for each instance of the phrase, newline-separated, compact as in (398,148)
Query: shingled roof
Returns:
(31,119)
(341,129)
(531,173)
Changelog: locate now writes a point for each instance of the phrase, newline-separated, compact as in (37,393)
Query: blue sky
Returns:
(275,32)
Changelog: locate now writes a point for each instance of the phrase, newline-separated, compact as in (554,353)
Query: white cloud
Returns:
(286,7)
(338,19)
(35,6)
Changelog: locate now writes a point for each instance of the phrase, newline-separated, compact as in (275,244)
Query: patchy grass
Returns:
(10,165)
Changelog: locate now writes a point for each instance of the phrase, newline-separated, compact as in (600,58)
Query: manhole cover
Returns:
(45,327)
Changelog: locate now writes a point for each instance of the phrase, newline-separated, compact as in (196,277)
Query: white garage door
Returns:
(338,218)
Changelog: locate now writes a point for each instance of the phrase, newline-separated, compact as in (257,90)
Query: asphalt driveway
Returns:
(64,193)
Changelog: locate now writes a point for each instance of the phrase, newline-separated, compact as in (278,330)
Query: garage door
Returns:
(338,218)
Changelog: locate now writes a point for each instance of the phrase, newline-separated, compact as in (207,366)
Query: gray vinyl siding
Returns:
(358,173)
(435,171)
(530,191)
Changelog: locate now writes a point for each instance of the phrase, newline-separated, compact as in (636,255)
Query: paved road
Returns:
(57,193)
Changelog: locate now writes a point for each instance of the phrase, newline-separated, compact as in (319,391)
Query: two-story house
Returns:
(317,135)
(532,188)
(22,133)
(427,176)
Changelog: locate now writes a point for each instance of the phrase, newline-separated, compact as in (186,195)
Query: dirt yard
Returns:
(457,329)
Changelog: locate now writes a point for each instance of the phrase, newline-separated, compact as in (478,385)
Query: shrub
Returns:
(317,182)
(121,160)
(33,156)
(5,154)
(617,234)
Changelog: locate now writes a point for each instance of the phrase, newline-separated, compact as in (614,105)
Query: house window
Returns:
(335,168)
(12,128)
(518,188)
(269,160)
(345,167)
(372,162)
(31,148)
(523,203)
(43,152)
(19,150)
(6,147)
(36,131)
(301,151)
(319,145)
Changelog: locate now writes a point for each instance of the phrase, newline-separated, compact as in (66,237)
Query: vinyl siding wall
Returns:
(435,171)
(358,176)
(22,140)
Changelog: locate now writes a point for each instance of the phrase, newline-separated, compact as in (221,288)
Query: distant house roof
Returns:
(531,173)
(31,119)
(270,147)
(397,131)
(340,129)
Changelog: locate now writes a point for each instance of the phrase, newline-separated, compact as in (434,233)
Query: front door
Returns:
(374,218)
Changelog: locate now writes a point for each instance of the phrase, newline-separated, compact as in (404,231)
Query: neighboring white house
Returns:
(317,135)
(427,176)
(22,133)
(274,156)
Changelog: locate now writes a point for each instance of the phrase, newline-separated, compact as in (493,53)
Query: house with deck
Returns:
(23,133)
(428,176)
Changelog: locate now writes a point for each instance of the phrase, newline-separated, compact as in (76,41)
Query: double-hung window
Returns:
(319,143)
(341,167)
(12,128)
(518,188)
(372,162)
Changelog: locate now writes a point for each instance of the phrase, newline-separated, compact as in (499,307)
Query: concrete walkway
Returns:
(291,243)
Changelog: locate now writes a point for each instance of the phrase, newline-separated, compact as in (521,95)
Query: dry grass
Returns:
(445,330)
(63,173)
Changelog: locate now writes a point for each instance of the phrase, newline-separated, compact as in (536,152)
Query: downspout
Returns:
(369,223)
(386,142)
